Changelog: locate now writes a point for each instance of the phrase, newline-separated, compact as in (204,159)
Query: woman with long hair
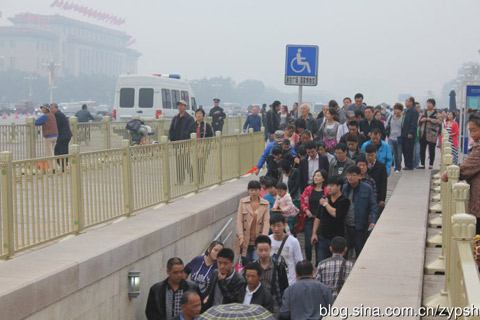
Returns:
(309,203)
(201,268)
(328,130)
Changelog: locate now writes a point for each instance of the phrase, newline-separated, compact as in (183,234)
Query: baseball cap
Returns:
(216,100)
(182,102)
(278,136)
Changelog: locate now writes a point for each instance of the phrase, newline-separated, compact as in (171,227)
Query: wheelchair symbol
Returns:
(300,64)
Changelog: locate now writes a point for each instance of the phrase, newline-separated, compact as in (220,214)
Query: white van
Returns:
(151,96)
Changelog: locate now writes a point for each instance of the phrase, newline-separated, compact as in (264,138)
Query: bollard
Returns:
(127,178)
(77,188)
(167,194)
(196,159)
(6,159)
(218,141)
(237,136)
(106,132)
(30,138)
(74,128)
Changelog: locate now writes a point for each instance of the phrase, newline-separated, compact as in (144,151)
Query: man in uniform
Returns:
(218,116)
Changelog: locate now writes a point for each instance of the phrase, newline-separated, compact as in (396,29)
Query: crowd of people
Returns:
(326,177)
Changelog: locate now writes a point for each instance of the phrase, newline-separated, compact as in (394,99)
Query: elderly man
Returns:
(311,124)
(49,129)
(191,306)
(253,121)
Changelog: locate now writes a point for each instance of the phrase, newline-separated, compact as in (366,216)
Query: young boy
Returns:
(272,162)
(291,252)
(354,151)
(275,285)
(285,204)
(272,192)
(263,191)
(287,154)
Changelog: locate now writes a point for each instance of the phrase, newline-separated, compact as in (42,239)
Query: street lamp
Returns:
(30,78)
(51,66)
(216,85)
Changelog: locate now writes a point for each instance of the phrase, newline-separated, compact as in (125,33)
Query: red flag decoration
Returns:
(89,12)
(130,42)
(251,170)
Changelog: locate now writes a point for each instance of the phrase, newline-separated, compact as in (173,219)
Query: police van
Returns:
(151,96)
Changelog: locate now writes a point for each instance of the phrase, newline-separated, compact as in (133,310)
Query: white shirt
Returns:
(312,167)
(291,252)
(341,131)
(249,295)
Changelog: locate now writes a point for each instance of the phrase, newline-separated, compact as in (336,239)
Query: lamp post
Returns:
(30,78)
(216,85)
(51,66)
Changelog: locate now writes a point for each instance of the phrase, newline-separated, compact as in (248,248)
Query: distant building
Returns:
(80,47)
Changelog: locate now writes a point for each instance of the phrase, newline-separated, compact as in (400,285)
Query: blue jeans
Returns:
(323,249)
(396,153)
(416,154)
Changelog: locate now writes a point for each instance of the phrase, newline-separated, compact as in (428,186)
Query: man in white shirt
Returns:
(291,251)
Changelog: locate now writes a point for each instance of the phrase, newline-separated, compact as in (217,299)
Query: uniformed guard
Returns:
(218,116)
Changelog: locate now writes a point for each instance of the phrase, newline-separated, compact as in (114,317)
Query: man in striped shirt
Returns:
(333,272)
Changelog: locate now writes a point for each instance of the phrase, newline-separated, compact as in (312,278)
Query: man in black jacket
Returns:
(226,283)
(369,123)
(254,292)
(378,172)
(409,132)
(164,297)
(273,119)
(218,116)
(64,132)
(179,129)
(308,165)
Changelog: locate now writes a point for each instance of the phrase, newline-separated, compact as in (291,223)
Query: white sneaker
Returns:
(397,171)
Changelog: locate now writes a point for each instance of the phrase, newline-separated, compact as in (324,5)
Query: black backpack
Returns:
(280,268)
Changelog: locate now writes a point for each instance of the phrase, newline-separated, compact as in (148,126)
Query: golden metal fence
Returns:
(26,141)
(44,199)
(462,280)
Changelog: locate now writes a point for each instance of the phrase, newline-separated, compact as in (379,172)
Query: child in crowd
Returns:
(302,153)
(272,162)
(271,185)
(287,154)
(263,190)
(284,203)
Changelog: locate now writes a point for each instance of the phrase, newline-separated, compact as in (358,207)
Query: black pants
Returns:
(423,151)
(408,145)
(355,240)
(478,226)
(61,147)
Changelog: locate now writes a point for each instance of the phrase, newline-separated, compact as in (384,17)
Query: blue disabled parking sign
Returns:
(301,65)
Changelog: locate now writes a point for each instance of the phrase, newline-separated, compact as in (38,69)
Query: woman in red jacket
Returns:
(452,127)
(309,203)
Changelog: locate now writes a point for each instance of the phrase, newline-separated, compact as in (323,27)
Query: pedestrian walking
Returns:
(452,128)
(49,129)
(409,132)
(430,125)
(64,131)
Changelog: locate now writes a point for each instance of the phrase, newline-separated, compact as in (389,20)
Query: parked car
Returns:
(232,109)
(104,110)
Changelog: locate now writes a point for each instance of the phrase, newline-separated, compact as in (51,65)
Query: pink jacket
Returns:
(286,205)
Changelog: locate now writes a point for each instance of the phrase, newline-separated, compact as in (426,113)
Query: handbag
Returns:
(330,143)
(239,265)
(300,223)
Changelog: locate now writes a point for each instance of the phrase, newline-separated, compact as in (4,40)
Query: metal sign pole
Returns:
(300,93)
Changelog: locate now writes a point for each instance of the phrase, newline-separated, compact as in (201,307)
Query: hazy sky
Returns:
(378,47)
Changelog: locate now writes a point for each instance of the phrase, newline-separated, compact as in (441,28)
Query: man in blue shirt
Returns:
(384,153)
(253,121)
(278,138)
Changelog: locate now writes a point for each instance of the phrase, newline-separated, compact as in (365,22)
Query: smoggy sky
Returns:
(378,47)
